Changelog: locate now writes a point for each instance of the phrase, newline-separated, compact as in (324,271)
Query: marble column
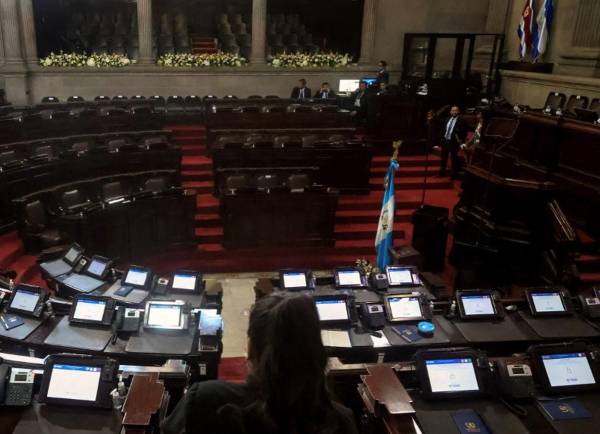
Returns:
(9,20)
(586,32)
(497,17)
(259,31)
(144,13)
(368,31)
(28,31)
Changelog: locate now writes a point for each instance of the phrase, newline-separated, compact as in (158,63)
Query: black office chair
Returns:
(267,182)
(75,98)
(336,139)
(102,98)
(210,97)
(576,102)
(120,144)
(595,105)
(138,97)
(255,97)
(230,141)
(193,103)
(74,200)
(80,148)
(272,97)
(113,190)
(42,153)
(158,102)
(298,182)
(155,142)
(230,97)
(120,98)
(280,142)
(175,103)
(258,141)
(555,101)
(233,183)
(155,185)
(309,141)
(274,109)
(35,232)
(50,99)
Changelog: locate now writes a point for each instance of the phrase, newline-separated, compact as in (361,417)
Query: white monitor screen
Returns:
(74,382)
(136,277)
(405,307)
(72,254)
(294,280)
(89,310)
(25,300)
(478,305)
(547,302)
(400,276)
(348,85)
(164,315)
(452,375)
(332,310)
(184,281)
(572,369)
(97,267)
(349,278)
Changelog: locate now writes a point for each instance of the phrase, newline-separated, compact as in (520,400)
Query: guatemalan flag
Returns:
(525,29)
(385,230)
(540,34)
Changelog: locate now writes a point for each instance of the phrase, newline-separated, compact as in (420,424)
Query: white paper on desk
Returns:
(380,342)
(336,338)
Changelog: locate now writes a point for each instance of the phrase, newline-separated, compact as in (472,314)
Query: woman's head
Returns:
(288,359)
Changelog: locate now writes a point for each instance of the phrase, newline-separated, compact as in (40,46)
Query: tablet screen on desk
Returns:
(332,310)
(25,300)
(184,282)
(400,276)
(136,277)
(349,278)
(569,369)
(72,255)
(74,382)
(89,310)
(452,375)
(164,315)
(294,279)
(97,267)
(404,308)
(478,305)
(548,302)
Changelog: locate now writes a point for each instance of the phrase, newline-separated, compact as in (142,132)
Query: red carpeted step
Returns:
(588,263)
(208,220)
(406,161)
(209,235)
(207,203)
(211,248)
(370,215)
(11,248)
(414,183)
(590,278)
(362,231)
(372,201)
(196,162)
(192,150)
(26,267)
(196,175)
(405,172)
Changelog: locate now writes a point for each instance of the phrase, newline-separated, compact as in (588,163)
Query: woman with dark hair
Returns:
(286,391)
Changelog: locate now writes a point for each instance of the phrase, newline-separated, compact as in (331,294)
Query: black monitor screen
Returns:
(548,302)
(97,267)
(476,305)
(136,277)
(89,310)
(398,276)
(72,254)
(75,382)
(25,300)
(349,277)
(294,279)
(183,281)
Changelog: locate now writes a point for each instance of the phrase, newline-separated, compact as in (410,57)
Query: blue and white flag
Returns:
(542,28)
(385,231)
(525,29)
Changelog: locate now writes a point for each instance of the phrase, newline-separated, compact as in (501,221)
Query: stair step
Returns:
(590,278)
(370,215)
(208,220)
(196,175)
(209,235)
(363,231)
(11,249)
(196,162)
(26,267)
(406,161)
(193,150)
(413,183)
(404,172)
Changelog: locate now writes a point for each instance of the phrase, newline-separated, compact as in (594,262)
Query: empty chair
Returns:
(210,97)
(309,141)
(120,144)
(258,141)
(267,182)
(102,98)
(73,200)
(255,97)
(10,159)
(337,139)
(155,142)
(158,102)
(75,98)
(138,97)
(155,185)
(193,103)
(80,148)
(36,233)
(576,102)
(286,141)
(555,101)
(250,109)
(230,97)
(50,99)
(237,182)
(175,103)
(274,108)
(232,141)
(112,190)
(120,98)
(42,153)
(271,97)
(298,182)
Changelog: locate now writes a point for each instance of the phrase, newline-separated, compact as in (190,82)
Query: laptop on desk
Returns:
(65,264)
(92,277)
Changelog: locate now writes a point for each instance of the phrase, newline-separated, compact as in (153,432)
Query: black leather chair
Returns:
(158,102)
(120,144)
(210,97)
(230,141)
(114,190)
(255,97)
(193,104)
(50,99)
(138,97)
(36,232)
(75,98)
(10,159)
(102,98)
(233,183)
(286,141)
(555,101)
(595,105)
(155,142)
(258,141)
(298,182)
(120,98)
(309,141)
(230,97)
(73,200)
(155,185)
(175,103)
(267,182)
(576,102)
(272,97)
(42,153)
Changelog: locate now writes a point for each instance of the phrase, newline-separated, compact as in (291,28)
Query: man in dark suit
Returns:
(454,133)
(301,91)
(325,92)
(359,97)
(383,76)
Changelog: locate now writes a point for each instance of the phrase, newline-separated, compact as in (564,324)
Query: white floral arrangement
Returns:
(181,60)
(303,60)
(77,60)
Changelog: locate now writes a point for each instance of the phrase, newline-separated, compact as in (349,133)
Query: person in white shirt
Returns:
(453,136)
(301,91)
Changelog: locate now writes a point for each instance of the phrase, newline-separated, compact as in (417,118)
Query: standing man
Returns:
(383,76)
(325,92)
(360,102)
(453,136)
(301,91)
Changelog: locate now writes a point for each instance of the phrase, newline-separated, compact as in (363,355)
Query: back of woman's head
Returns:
(288,364)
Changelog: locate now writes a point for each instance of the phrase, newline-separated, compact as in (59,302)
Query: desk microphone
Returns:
(49,308)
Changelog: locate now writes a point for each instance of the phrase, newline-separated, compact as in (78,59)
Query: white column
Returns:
(259,31)
(368,31)
(144,13)
(9,19)
(28,32)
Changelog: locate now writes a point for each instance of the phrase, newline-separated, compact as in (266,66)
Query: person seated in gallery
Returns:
(301,91)
(286,388)
(325,92)
(359,109)
(383,76)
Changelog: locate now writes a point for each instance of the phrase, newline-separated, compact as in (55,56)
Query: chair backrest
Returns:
(8,157)
(271,97)
(193,100)
(298,182)
(73,198)
(255,97)
(156,184)
(119,98)
(35,213)
(80,147)
(230,97)
(309,140)
(50,99)
(235,182)
(258,140)
(44,151)
(175,99)
(102,98)
(113,189)
(157,99)
(577,101)
(595,105)
(210,97)
(555,101)
(75,98)
(138,97)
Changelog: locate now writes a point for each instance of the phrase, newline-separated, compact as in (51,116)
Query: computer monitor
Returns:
(448,374)
(78,380)
(138,277)
(333,310)
(404,307)
(349,278)
(547,302)
(91,310)
(564,368)
(73,255)
(166,315)
(348,86)
(98,267)
(27,300)
(295,280)
(476,304)
(399,276)
(185,281)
